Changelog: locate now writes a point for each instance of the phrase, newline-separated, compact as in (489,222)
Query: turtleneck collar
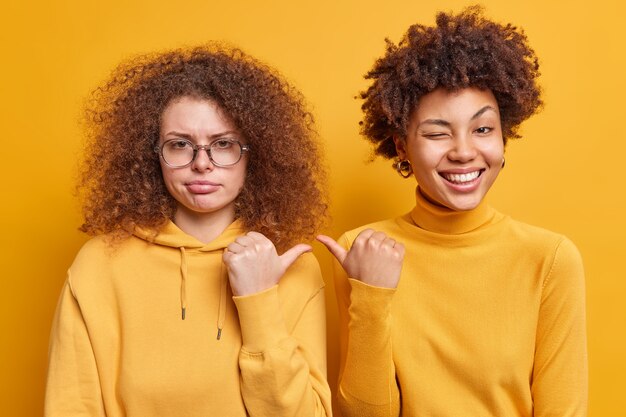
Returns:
(437,219)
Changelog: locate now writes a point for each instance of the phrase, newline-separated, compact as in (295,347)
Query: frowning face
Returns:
(201,188)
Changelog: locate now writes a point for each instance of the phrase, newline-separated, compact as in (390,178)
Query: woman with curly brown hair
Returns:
(194,177)
(455,309)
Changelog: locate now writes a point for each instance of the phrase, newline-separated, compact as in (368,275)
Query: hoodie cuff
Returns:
(261,320)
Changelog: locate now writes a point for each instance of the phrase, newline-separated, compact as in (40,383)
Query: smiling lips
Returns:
(202,187)
(461,179)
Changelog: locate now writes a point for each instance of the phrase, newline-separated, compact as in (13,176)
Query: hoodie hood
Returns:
(172,236)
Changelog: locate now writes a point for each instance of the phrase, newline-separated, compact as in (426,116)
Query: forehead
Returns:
(192,113)
(457,105)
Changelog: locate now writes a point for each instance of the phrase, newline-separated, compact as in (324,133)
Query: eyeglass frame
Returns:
(243,148)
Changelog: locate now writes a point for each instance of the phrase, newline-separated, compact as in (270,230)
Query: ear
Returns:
(400,146)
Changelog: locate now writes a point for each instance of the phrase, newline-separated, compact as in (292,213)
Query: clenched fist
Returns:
(373,259)
(253,264)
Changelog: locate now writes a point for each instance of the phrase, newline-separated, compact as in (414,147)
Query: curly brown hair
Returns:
(120,181)
(463,50)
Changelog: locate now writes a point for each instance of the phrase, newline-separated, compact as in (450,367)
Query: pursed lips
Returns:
(202,187)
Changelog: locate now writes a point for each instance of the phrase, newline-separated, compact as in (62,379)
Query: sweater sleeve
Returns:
(559,381)
(367,376)
(283,372)
(73,386)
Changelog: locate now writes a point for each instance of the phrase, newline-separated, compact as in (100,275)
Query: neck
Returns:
(204,226)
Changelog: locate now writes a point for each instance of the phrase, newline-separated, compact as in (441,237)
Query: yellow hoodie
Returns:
(136,334)
(488,320)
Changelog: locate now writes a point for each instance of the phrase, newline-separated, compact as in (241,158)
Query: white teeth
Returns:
(462,178)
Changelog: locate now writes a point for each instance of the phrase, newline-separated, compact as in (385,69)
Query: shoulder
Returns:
(303,276)
(556,252)
(537,237)
(92,255)
(97,259)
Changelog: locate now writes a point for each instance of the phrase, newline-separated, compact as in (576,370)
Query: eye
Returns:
(222,144)
(483,130)
(435,135)
(178,144)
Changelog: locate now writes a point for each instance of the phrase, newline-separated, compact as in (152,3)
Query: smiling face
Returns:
(202,190)
(455,147)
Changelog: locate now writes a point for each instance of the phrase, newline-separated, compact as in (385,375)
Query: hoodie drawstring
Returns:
(183,282)
(222,304)
(221,309)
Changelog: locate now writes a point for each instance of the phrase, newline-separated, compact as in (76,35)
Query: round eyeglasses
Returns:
(179,153)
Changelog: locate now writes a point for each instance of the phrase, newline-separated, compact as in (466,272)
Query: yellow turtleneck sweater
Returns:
(488,320)
(120,347)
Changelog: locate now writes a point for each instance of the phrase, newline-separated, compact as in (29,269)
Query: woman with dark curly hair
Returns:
(194,176)
(455,309)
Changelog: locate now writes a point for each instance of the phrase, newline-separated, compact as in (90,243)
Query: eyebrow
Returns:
(482,111)
(445,123)
(188,136)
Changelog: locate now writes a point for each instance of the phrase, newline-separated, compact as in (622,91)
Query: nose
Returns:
(202,161)
(463,149)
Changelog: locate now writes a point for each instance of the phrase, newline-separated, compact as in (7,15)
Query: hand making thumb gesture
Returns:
(254,265)
(373,259)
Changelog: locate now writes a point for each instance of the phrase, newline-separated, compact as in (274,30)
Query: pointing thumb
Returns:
(335,248)
(290,256)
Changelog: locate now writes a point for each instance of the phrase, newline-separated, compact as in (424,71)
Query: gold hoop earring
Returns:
(503,162)
(404,168)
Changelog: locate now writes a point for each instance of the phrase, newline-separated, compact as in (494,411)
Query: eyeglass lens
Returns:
(221,152)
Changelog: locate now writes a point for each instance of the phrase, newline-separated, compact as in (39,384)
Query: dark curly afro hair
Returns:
(121,184)
(463,50)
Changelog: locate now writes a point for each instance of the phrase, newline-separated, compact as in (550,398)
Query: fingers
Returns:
(367,239)
(370,240)
(290,256)
(251,240)
(335,248)
(399,247)
(375,259)
(390,243)
(395,249)
(373,240)
(366,234)
(235,247)
(256,236)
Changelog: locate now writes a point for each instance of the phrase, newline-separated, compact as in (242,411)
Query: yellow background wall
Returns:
(565,175)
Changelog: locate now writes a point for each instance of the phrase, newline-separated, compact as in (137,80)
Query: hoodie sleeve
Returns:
(283,365)
(73,386)
(367,375)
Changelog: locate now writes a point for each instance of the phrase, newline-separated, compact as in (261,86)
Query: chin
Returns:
(467,207)
(456,201)
(462,204)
